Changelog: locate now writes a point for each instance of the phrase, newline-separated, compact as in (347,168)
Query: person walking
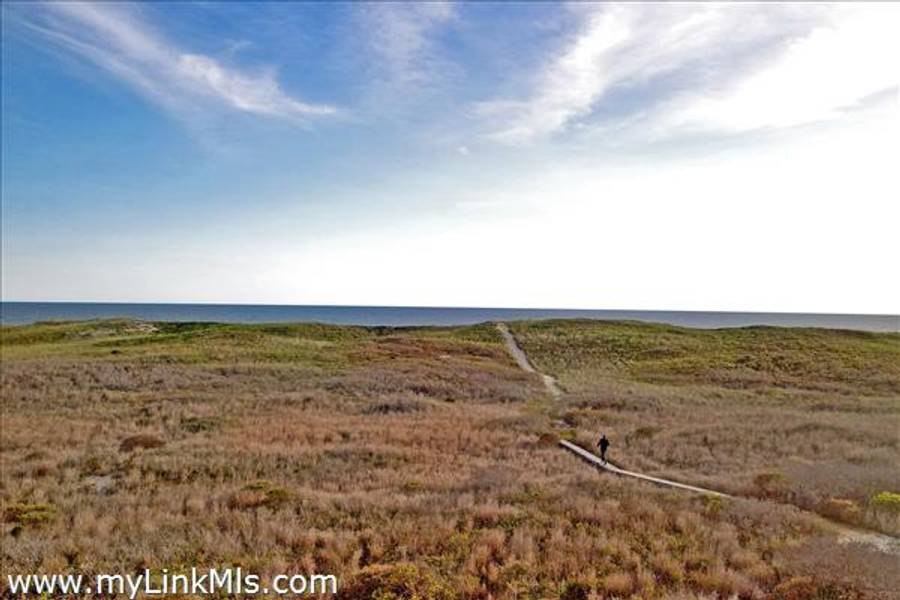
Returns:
(603,444)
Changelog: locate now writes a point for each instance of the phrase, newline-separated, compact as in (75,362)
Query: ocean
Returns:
(19,313)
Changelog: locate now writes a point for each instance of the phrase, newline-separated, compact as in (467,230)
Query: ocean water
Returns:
(18,313)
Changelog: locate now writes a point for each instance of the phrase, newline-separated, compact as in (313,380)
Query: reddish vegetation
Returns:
(143,440)
(412,464)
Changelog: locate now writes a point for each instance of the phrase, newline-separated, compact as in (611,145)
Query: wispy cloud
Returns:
(707,67)
(118,39)
(401,38)
(837,66)
(567,87)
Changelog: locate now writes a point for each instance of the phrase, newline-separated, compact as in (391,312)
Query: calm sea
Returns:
(16,313)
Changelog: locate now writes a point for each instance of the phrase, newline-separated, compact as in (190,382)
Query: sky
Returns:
(698,156)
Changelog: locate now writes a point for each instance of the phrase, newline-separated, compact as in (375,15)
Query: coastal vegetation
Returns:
(422,463)
(808,417)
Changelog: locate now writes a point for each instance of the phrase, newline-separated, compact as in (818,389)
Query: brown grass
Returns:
(806,417)
(411,463)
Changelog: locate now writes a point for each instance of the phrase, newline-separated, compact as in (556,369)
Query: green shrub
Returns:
(889,501)
(713,504)
(29,514)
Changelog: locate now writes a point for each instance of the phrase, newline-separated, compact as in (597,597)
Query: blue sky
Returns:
(681,156)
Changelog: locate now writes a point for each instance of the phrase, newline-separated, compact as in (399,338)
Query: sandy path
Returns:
(522,360)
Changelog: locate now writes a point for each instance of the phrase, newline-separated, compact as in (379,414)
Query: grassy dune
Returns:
(809,417)
(420,462)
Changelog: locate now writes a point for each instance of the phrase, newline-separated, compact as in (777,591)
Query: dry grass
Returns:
(806,417)
(412,463)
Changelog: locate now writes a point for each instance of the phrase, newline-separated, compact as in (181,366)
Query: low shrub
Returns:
(840,509)
(199,424)
(770,484)
(395,406)
(668,570)
(403,581)
(888,501)
(619,584)
(412,486)
(29,514)
(142,440)
(646,432)
(807,588)
(546,439)
(260,494)
(883,512)
(576,591)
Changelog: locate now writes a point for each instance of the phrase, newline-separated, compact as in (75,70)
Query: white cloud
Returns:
(719,67)
(833,68)
(569,87)
(261,95)
(117,39)
(400,36)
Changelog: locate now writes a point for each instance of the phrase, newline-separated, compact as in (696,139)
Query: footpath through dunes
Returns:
(597,462)
(522,360)
(846,534)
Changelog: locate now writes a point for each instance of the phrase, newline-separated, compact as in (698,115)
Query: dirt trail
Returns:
(522,360)
(846,534)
